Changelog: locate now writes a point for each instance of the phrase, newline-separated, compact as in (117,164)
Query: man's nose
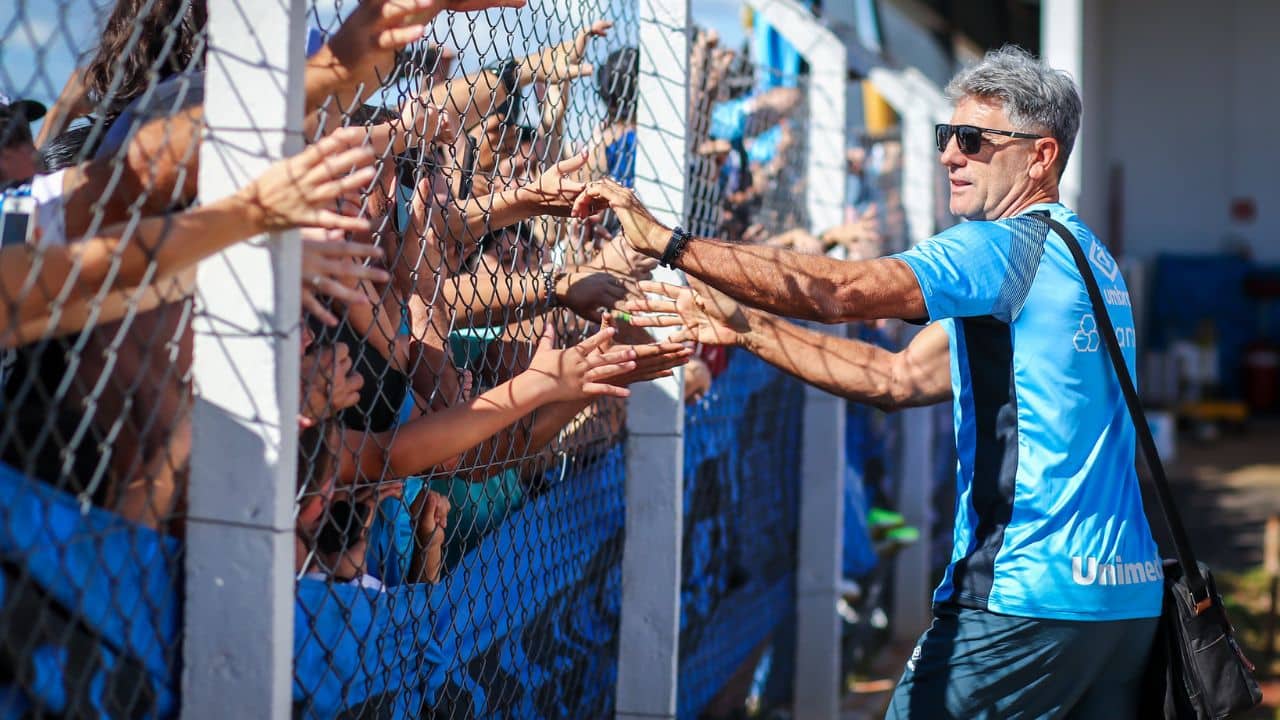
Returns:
(951,155)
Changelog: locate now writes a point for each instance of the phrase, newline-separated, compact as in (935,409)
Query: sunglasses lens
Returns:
(942,133)
(969,139)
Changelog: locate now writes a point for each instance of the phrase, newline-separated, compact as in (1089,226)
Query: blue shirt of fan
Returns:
(1049,518)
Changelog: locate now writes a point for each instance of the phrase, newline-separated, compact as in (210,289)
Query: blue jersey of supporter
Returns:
(1049,518)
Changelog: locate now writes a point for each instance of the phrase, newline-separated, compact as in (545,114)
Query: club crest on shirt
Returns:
(1102,260)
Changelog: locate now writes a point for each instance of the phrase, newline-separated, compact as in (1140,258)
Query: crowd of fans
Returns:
(463,340)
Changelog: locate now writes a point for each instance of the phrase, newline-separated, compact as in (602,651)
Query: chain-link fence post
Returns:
(649,628)
(920,104)
(240,585)
(821,518)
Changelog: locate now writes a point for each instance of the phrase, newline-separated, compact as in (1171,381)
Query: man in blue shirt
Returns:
(1049,605)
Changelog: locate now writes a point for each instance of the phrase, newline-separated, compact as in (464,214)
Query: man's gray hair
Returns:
(1036,97)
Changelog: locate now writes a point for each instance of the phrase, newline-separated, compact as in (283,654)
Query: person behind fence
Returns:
(159,153)
(119,262)
(17,150)
(332,525)
(1049,606)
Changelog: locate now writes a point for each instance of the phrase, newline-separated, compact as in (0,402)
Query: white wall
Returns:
(1190,108)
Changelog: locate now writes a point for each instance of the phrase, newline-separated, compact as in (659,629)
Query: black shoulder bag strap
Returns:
(1182,546)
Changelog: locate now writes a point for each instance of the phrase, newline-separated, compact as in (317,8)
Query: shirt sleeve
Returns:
(977,269)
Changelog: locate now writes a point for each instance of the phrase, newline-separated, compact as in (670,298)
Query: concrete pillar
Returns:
(649,630)
(238,612)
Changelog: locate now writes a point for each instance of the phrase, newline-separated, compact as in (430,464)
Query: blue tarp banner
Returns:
(524,626)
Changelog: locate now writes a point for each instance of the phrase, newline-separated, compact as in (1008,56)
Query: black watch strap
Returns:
(675,247)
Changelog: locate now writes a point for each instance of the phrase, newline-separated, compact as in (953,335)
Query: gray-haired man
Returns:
(1049,605)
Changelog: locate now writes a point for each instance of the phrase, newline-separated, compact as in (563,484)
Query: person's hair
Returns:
(616,82)
(67,149)
(15,130)
(316,447)
(1035,96)
(144,41)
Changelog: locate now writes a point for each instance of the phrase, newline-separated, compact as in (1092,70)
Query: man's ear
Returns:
(1045,161)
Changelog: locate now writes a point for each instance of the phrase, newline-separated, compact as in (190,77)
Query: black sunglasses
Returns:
(969,137)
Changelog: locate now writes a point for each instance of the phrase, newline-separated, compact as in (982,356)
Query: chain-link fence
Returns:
(97,350)
(743,438)
(422,329)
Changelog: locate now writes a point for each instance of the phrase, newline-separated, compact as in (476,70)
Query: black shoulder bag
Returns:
(1196,668)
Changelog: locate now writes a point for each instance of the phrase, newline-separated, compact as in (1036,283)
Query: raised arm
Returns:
(859,371)
(780,281)
(551,193)
(553,376)
(293,192)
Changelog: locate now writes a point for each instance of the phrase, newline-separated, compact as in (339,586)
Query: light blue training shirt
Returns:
(1049,517)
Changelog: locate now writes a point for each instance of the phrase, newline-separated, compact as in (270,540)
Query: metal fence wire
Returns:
(458,545)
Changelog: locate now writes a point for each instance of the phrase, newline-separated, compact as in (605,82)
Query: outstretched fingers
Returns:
(651,304)
(347,186)
(571,165)
(329,219)
(604,372)
(595,389)
(341,164)
(598,195)
(622,354)
(602,337)
(661,288)
(656,321)
(334,143)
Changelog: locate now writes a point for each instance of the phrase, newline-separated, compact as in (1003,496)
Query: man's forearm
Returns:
(812,287)
(852,369)
(855,370)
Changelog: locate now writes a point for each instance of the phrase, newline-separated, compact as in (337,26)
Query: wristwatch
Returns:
(675,247)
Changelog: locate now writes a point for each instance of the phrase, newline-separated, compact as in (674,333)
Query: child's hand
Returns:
(581,371)
(432,512)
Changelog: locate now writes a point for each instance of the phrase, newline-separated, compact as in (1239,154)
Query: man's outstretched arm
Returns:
(859,371)
(918,375)
(780,281)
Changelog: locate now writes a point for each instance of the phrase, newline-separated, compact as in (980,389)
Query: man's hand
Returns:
(641,229)
(708,316)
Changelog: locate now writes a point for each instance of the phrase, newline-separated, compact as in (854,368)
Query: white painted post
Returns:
(817,686)
(920,104)
(238,619)
(649,629)
(1070,39)
(1062,43)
